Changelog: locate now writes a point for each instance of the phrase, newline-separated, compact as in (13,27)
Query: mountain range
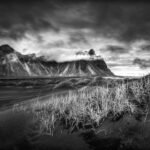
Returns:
(15,64)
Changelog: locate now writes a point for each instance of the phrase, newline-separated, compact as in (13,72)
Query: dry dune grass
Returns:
(88,107)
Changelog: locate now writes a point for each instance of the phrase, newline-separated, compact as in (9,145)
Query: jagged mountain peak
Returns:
(6,49)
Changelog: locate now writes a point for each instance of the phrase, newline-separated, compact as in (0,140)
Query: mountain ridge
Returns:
(13,63)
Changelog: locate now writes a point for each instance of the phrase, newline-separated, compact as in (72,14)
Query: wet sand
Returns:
(14,95)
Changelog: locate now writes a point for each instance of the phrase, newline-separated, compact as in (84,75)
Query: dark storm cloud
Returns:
(142,63)
(123,20)
(126,21)
(77,38)
(116,49)
(18,17)
(145,48)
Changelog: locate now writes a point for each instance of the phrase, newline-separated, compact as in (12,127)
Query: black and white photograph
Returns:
(74,75)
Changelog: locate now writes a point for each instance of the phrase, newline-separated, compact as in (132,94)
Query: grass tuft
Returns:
(88,107)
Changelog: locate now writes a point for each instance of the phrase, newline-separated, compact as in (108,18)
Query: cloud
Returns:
(145,48)
(116,49)
(142,63)
(56,44)
(124,21)
(18,18)
(78,38)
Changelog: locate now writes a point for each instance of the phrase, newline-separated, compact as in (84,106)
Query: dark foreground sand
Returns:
(18,132)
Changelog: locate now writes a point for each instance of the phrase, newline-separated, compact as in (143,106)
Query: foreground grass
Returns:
(88,107)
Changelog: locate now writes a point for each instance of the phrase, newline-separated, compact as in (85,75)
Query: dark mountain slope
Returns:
(13,63)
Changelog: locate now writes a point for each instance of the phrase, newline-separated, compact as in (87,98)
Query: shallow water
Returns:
(13,95)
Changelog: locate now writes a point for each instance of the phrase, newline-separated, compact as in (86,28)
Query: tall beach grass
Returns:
(88,107)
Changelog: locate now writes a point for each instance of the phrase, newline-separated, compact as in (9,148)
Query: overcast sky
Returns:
(119,31)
